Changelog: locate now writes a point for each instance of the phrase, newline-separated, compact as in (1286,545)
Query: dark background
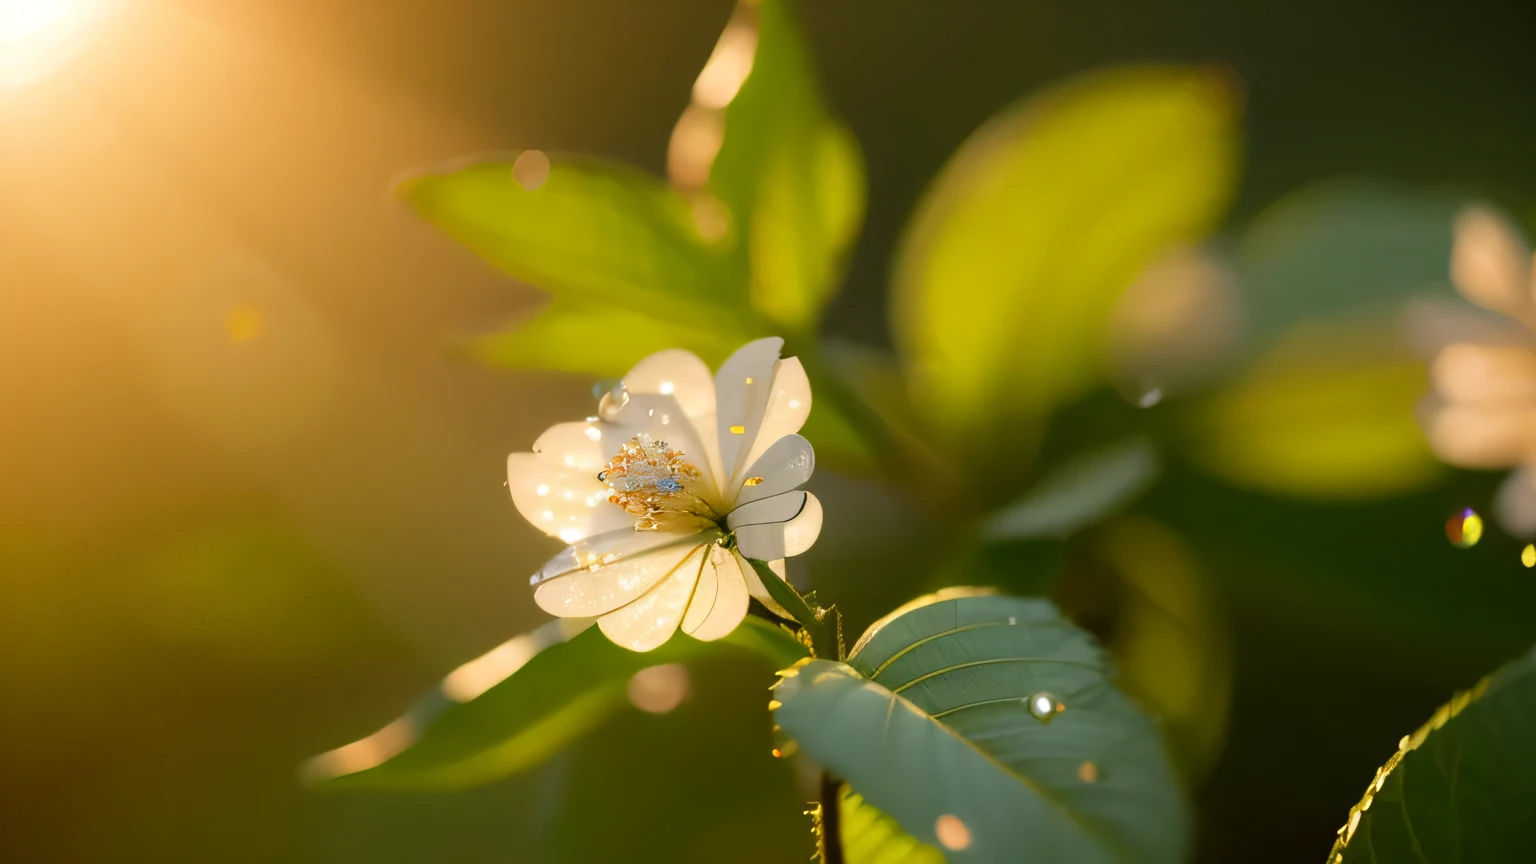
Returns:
(209,573)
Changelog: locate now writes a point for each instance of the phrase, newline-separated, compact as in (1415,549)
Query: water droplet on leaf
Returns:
(1044,706)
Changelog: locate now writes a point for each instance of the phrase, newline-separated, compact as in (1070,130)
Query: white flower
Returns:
(664,495)
(1482,409)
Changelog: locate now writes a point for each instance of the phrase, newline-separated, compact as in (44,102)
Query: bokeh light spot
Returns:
(952,833)
(659,689)
(1464,528)
(531,169)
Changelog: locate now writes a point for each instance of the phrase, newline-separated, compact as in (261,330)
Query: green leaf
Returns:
(1461,788)
(547,693)
(1007,275)
(1342,248)
(790,173)
(871,837)
(1078,494)
(567,336)
(1326,413)
(593,231)
(930,719)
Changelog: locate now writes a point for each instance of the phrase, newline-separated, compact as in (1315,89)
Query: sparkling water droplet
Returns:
(612,402)
(1528,556)
(1044,706)
(1464,528)
(1150,397)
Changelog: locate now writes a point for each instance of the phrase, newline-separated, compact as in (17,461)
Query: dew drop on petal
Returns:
(543,489)
(530,169)
(952,833)
(1464,528)
(1044,706)
(1528,555)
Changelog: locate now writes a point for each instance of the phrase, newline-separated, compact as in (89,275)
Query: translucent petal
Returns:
(789,403)
(563,502)
(742,388)
(585,446)
(779,508)
(676,373)
(1430,324)
(782,467)
(1490,262)
(1475,436)
(768,541)
(1485,374)
(1516,502)
(755,584)
(717,615)
(627,565)
(649,621)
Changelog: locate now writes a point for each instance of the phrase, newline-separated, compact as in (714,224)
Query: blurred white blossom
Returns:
(1481,411)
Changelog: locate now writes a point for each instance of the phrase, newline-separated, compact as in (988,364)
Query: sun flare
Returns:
(39,36)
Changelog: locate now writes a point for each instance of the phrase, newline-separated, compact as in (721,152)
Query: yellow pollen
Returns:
(753,481)
(654,483)
(738,430)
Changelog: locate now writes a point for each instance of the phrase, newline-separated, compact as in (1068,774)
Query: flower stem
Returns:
(831,840)
(822,627)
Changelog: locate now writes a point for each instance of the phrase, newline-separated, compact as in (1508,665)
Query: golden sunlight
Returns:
(39,36)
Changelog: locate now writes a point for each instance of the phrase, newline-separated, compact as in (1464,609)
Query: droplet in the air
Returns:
(1464,528)
(1044,706)
(1149,397)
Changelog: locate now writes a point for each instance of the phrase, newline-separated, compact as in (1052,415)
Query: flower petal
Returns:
(1490,263)
(742,388)
(582,446)
(770,540)
(755,584)
(563,502)
(1516,502)
(785,465)
(714,615)
(603,573)
(1475,436)
(675,373)
(779,508)
(650,620)
(789,403)
(1484,374)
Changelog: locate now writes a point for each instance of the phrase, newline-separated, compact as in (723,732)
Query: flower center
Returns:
(655,484)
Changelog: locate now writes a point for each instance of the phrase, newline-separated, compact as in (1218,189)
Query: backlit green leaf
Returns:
(790,173)
(931,720)
(519,705)
(1326,413)
(1012,263)
(871,837)
(592,231)
(605,340)
(1461,788)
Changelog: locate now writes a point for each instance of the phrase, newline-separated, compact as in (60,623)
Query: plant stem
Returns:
(822,631)
(831,841)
